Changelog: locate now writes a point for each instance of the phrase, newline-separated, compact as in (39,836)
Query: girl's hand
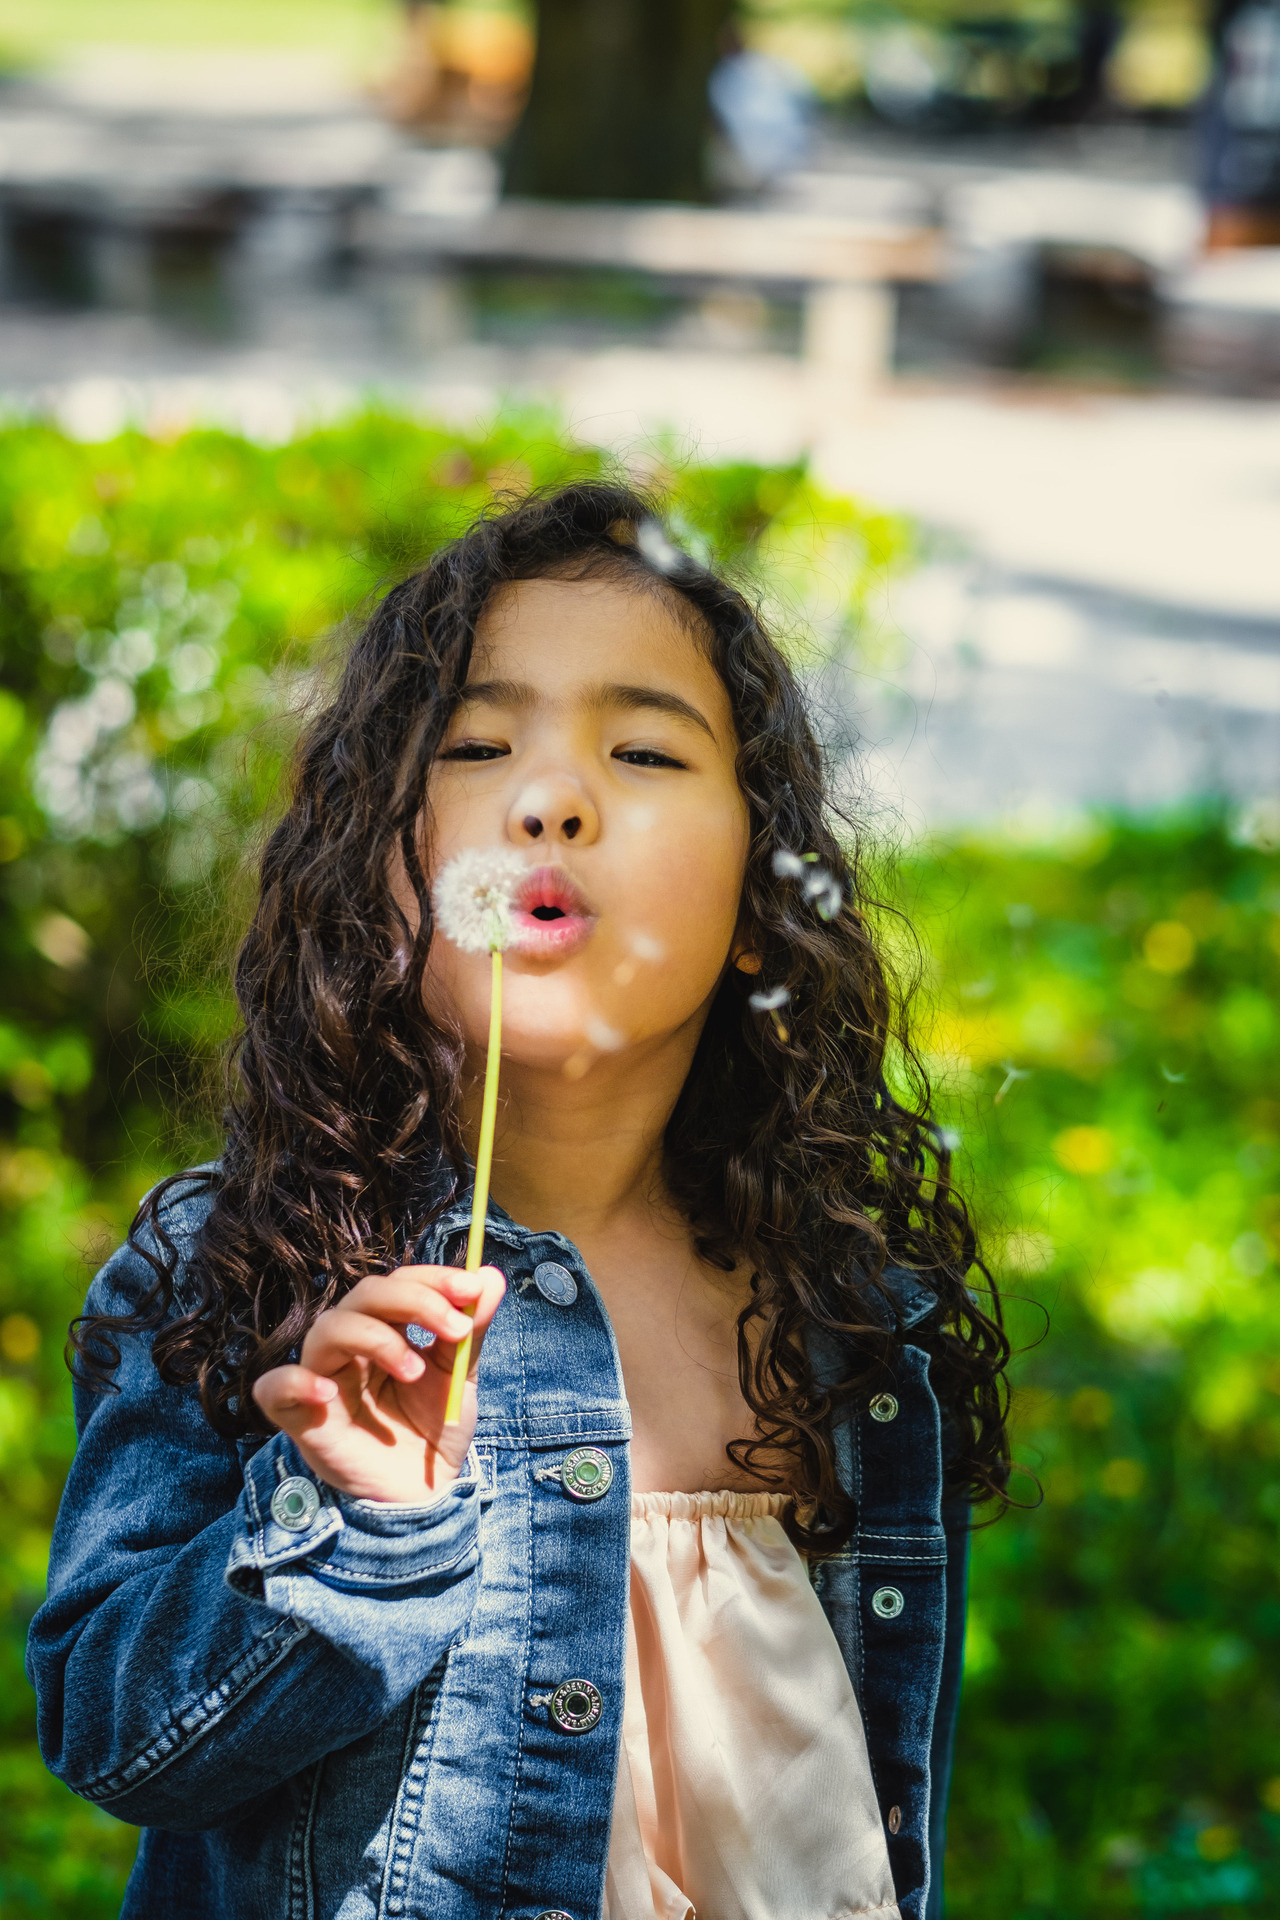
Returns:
(365,1407)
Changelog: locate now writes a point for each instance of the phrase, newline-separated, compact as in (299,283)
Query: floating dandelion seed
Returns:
(819,888)
(1011,1073)
(645,947)
(824,892)
(660,552)
(770,1000)
(766,1001)
(604,1037)
(473,899)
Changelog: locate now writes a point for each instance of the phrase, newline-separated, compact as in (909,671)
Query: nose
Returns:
(552,809)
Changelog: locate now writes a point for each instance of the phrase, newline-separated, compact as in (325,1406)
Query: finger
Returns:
(341,1336)
(411,1293)
(492,1288)
(293,1390)
(491,1293)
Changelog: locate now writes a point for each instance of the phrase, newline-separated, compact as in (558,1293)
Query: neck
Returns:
(584,1157)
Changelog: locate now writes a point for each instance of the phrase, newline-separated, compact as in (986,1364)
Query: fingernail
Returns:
(460,1325)
(412,1366)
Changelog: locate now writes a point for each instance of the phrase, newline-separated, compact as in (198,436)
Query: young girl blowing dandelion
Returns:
(667,1620)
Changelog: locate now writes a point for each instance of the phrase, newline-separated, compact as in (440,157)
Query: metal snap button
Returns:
(576,1706)
(295,1503)
(887,1602)
(894,1822)
(587,1474)
(553,1913)
(884,1407)
(555,1283)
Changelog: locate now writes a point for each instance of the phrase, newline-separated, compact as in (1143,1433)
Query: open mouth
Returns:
(551,915)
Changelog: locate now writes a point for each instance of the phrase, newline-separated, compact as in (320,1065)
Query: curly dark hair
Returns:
(788,1149)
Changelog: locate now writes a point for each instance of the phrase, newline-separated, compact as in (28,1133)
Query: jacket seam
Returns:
(412,1740)
(415,1767)
(301,1887)
(167,1747)
(382,1579)
(895,1560)
(527,1492)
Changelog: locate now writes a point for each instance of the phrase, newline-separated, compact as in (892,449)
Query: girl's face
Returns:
(596,739)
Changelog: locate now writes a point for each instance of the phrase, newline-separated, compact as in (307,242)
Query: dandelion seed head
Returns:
(473,897)
(769,999)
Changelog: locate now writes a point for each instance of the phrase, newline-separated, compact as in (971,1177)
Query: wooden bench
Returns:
(845,269)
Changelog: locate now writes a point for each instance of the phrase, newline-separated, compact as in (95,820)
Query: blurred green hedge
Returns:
(1100,1020)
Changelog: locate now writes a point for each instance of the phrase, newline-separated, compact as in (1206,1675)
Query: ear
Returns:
(746,961)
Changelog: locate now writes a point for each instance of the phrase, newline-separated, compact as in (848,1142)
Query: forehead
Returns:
(560,634)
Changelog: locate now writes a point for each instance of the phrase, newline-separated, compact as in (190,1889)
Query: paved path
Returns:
(1098,616)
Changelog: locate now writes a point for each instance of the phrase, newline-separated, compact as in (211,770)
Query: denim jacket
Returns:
(321,1708)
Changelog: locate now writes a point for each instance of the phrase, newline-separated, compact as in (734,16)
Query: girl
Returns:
(670,1625)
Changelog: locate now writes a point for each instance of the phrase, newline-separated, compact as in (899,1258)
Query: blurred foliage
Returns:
(943,65)
(360,31)
(1107,1040)
(1102,1029)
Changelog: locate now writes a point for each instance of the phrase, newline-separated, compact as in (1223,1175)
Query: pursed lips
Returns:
(552,917)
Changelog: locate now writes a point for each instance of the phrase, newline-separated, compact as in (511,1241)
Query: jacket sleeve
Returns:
(193,1652)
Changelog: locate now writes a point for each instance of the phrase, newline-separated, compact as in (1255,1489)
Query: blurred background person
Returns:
(1242,126)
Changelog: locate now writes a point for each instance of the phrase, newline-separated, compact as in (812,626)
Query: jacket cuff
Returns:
(356,1545)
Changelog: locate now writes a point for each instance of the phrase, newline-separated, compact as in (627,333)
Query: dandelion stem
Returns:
(480,1194)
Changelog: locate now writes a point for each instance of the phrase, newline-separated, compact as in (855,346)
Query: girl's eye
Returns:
(474,750)
(647,757)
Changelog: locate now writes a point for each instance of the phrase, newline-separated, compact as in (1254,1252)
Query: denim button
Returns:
(553,1913)
(587,1474)
(576,1706)
(555,1283)
(884,1407)
(887,1602)
(894,1822)
(295,1503)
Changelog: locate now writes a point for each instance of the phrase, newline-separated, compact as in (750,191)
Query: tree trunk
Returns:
(618,107)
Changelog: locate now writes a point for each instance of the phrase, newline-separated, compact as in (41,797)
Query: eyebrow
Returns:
(520,696)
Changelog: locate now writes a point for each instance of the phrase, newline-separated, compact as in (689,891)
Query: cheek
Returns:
(685,892)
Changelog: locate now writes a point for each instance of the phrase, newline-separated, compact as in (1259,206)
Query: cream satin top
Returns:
(744,1786)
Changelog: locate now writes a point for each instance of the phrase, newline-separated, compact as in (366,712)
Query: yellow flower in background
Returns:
(1090,1408)
(1169,946)
(1123,1479)
(1225,1400)
(19,1337)
(1085,1150)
